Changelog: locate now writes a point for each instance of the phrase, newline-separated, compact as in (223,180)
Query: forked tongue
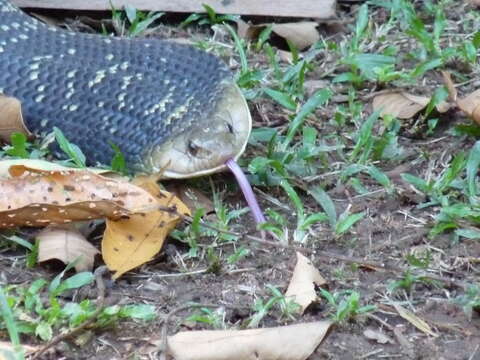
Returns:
(247,191)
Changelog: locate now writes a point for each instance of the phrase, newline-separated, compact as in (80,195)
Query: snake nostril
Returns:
(229,128)
(192,148)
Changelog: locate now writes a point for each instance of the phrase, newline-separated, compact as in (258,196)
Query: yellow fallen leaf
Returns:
(66,245)
(302,284)
(129,243)
(293,342)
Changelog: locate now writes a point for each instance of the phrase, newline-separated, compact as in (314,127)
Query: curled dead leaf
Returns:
(59,197)
(470,104)
(403,105)
(452,91)
(399,104)
(129,243)
(246,30)
(302,284)
(293,342)
(11,118)
(66,245)
(301,34)
(13,166)
(378,336)
(476,114)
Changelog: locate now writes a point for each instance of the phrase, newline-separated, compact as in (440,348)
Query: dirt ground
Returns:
(367,259)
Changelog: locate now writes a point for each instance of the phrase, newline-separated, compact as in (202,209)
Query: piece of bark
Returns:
(320,9)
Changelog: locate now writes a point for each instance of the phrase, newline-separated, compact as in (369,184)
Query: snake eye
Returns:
(192,148)
(229,128)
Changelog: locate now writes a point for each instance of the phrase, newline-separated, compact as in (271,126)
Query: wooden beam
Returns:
(320,9)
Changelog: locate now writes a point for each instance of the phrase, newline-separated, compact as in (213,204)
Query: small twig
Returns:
(100,305)
(196,272)
(384,323)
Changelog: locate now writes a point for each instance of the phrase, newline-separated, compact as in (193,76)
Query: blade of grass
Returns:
(10,324)
(317,99)
(324,200)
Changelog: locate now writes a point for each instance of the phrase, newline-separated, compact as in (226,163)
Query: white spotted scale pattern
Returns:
(101,90)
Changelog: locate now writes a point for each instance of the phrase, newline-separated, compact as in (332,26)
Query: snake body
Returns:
(168,107)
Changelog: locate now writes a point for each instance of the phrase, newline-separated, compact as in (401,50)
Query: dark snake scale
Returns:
(138,94)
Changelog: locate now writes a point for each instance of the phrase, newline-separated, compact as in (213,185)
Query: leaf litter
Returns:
(11,118)
(291,342)
(129,243)
(469,104)
(305,277)
(403,105)
(59,197)
(302,34)
(67,245)
(139,216)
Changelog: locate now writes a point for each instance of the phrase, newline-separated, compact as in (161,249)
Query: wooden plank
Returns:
(320,9)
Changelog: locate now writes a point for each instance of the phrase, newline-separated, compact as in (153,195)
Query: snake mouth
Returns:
(205,147)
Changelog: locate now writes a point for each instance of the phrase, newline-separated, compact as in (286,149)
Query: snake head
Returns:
(205,146)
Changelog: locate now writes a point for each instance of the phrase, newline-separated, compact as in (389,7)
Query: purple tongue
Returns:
(247,191)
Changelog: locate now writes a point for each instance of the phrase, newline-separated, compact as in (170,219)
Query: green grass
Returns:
(25,311)
(321,141)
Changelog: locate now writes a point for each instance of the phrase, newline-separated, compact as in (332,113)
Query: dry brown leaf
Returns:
(41,165)
(248,31)
(378,336)
(302,284)
(399,104)
(66,245)
(285,56)
(452,91)
(293,342)
(60,197)
(470,104)
(129,243)
(414,320)
(403,105)
(11,119)
(301,34)
(192,197)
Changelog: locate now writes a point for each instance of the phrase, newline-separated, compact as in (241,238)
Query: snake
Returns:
(170,108)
